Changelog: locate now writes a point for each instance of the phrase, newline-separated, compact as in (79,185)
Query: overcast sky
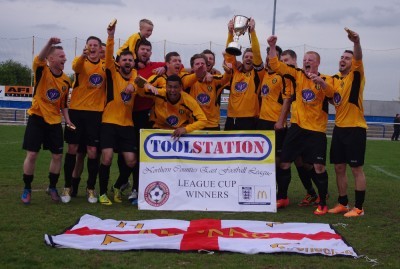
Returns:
(189,26)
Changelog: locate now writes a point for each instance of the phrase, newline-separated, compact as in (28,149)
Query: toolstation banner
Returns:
(208,171)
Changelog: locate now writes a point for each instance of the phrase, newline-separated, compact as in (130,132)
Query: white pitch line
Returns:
(385,172)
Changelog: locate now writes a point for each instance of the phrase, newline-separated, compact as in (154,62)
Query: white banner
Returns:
(243,236)
(208,171)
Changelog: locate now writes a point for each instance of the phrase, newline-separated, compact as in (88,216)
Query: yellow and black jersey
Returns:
(132,44)
(185,113)
(119,105)
(208,96)
(89,85)
(244,86)
(160,81)
(348,97)
(272,93)
(51,92)
(311,109)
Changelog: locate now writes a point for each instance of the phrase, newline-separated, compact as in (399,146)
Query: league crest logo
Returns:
(156,193)
(126,97)
(203,99)
(53,95)
(308,95)
(241,86)
(172,120)
(337,98)
(264,90)
(247,193)
(95,80)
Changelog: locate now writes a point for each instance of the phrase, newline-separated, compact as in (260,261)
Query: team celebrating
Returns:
(112,97)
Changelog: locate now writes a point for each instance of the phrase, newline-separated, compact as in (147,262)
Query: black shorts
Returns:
(88,124)
(279,135)
(119,138)
(39,132)
(348,145)
(242,123)
(141,120)
(310,145)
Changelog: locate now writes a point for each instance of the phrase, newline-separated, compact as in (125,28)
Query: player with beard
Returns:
(173,66)
(117,131)
(307,137)
(44,122)
(86,107)
(243,104)
(141,110)
(211,62)
(350,132)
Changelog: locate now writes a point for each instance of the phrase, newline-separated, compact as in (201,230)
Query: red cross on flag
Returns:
(242,236)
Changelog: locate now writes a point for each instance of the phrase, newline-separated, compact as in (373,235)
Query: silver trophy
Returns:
(240,26)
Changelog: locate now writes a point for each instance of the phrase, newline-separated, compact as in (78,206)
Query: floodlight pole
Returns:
(273,19)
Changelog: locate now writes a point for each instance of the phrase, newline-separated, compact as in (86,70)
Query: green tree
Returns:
(13,73)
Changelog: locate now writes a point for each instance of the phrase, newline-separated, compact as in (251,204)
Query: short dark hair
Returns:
(207,51)
(349,51)
(53,48)
(291,53)
(197,56)
(125,52)
(144,42)
(170,55)
(94,38)
(174,78)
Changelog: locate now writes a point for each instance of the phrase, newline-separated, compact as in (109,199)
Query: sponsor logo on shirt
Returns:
(203,99)
(53,95)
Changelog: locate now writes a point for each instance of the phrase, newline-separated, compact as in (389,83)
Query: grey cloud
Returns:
(337,16)
(381,17)
(49,26)
(325,17)
(221,12)
(378,16)
(295,17)
(95,2)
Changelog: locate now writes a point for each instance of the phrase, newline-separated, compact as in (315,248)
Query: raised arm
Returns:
(110,47)
(355,38)
(230,32)
(255,45)
(46,49)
